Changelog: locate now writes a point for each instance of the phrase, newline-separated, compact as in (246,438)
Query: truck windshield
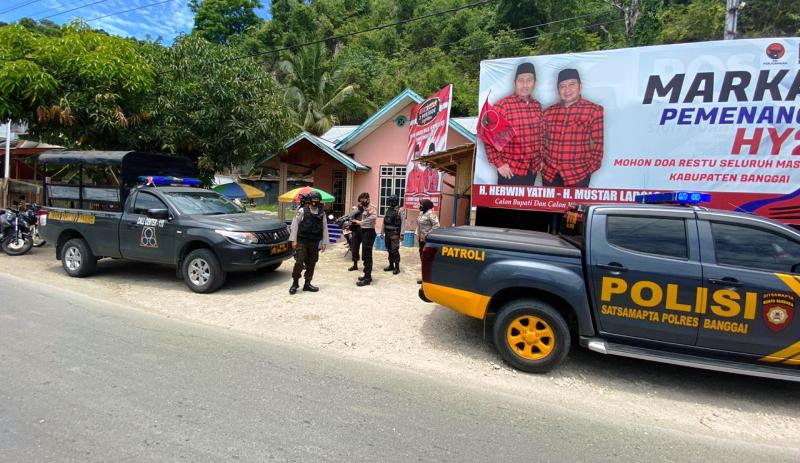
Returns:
(202,203)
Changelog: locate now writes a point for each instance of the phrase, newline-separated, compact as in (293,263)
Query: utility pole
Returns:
(7,170)
(731,17)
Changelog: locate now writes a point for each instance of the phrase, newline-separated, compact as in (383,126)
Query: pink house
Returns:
(371,157)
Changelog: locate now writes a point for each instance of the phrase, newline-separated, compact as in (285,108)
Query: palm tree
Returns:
(317,91)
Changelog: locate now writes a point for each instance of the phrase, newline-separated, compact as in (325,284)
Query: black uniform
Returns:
(309,233)
(355,237)
(392,223)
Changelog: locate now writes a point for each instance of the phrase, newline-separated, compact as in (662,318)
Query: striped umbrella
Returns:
(293,196)
(239,190)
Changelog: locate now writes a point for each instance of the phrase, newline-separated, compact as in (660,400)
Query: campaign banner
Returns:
(427,134)
(715,117)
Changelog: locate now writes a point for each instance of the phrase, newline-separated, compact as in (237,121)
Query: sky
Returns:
(165,18)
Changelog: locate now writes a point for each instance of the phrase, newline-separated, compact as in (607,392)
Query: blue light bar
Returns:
(166,180)
(677,197)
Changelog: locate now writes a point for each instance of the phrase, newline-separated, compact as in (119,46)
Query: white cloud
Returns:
(166,20)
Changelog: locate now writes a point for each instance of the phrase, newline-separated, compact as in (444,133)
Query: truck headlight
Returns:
(239,237)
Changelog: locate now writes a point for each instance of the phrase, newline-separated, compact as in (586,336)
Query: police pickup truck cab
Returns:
(681,285)
(199,231)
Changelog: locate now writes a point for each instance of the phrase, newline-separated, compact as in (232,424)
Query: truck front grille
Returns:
(273,236)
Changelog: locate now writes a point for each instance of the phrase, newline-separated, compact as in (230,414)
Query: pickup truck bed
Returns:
(506,239)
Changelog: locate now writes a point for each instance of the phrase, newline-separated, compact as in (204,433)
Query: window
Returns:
(339,181)
(743,246)
(145,201)
(651,235)
(393,183)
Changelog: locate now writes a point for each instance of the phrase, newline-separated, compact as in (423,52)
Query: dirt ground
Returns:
(387,323)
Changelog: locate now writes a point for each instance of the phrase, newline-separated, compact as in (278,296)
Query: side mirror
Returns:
(796,268)
(160,214)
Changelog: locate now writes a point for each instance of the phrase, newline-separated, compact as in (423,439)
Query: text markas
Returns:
(779,87)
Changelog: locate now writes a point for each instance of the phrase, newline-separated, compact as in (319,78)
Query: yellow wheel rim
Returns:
(530,337)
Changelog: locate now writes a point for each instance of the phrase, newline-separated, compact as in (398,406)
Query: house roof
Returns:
(327,147)
(337,133)
(388,111)
(469,123)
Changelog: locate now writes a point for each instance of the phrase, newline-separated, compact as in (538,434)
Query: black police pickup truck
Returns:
(681,285)
(199,231)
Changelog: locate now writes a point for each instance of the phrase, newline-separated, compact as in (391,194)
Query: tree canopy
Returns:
(78,87)
(241,85)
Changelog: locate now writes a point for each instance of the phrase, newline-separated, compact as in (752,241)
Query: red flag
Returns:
(493,128)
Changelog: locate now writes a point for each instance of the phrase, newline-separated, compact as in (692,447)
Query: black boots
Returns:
(364,281)
(306,287)
(393,267)
(354,267)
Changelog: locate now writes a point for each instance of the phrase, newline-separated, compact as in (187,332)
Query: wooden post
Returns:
(4,193)
(348,192)
(282,188)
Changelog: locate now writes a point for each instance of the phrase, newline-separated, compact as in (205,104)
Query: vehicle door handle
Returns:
(615,267)
(727,281)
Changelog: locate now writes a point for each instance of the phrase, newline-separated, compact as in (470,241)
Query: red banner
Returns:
(427,135)
(784,208)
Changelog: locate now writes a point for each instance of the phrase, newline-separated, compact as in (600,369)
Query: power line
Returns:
(486,45)
(19,5)
(132,9)
(363,31)
(456,42)
(524,39)
(73,9)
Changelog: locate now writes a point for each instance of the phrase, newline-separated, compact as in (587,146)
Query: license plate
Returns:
(280,249)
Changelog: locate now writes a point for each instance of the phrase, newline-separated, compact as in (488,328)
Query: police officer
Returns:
(369,216)
(392,225)
(426,223)
(309,227)
(355,235)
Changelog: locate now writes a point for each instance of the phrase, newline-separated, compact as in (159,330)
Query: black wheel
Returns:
(77,258)
(202,272)
(17,247)
(531,335)
(271,268)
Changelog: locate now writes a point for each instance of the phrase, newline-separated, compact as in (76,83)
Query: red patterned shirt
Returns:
(431,180)
(576,141)
(416,181)
(525,151)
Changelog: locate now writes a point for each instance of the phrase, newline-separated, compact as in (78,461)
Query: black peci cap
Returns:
(567,74)
(525,68)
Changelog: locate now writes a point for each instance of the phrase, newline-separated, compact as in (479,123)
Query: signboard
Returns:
(719,117)
(427,134)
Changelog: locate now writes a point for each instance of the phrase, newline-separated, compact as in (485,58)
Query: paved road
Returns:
(82,381)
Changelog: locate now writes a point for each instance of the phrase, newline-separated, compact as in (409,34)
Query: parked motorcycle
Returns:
(31,215)
(15,235)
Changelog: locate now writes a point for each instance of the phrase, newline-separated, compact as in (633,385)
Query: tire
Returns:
(77,258)
(202,272)
(536,351)
(19,247)
(271,268)
(38,241)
